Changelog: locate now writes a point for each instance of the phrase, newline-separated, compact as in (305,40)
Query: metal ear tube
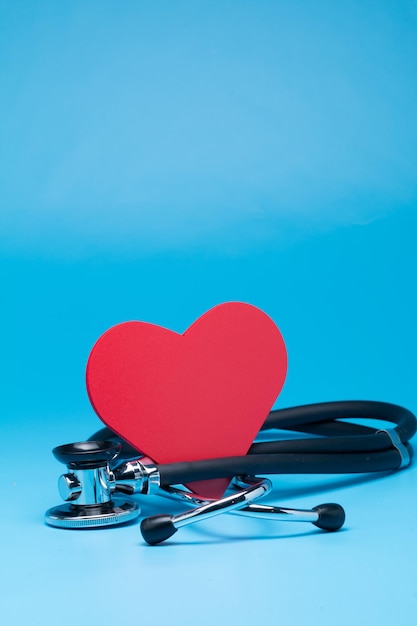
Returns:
(158,528)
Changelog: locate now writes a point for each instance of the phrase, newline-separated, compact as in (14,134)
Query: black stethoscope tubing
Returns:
(337,447)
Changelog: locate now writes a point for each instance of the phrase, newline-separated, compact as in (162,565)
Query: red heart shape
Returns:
(203,394)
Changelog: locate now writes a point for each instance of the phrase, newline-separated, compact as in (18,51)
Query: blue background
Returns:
(158,158)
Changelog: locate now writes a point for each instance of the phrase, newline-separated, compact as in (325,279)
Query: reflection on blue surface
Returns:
(157,159)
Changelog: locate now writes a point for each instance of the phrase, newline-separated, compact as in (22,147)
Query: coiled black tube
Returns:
(337,447)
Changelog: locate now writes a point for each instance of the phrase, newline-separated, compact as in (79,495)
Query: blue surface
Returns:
(160,158)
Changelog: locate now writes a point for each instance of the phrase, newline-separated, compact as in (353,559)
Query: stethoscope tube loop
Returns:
(300,417)
(336,446)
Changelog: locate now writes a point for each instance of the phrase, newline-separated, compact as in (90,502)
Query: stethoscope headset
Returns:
(104,472)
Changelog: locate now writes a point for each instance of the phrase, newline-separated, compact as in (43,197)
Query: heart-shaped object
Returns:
(203,394)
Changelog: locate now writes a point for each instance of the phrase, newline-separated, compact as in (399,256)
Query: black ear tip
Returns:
(157,528)
(331,516)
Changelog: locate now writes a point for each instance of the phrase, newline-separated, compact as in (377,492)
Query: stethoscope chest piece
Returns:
(87,487)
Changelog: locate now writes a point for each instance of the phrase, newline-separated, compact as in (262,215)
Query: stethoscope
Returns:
(104,473)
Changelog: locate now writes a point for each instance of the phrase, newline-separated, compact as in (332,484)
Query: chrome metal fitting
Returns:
(133,477)
(401,448)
